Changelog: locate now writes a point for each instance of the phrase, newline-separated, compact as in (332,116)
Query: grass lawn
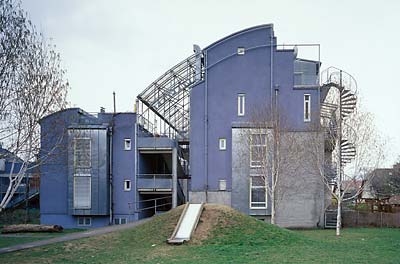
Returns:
(223,236)
(21,238)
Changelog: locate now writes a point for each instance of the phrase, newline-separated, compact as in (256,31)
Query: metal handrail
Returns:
(155,204)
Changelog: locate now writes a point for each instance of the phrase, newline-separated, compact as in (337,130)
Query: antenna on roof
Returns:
(115,107)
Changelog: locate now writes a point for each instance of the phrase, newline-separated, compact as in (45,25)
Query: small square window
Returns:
(123,221)
(116,221)
(222,144)
(127,144)
(88,221)
(240,51)
(127,185)
(81,221)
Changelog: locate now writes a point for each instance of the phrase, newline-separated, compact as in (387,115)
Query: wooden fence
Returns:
(367,219)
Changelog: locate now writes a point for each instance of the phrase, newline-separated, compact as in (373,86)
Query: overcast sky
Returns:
(123,46)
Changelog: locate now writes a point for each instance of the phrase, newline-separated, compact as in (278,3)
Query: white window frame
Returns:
(127,144)
(307,108)
(126,189)
(222,143)
(257,163)
(118,221)
(222,185)
(241,101)
(84,218)
(251,203)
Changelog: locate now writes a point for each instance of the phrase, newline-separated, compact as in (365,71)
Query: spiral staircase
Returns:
(338,102)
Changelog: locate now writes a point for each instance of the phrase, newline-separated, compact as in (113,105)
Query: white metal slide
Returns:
(187,223)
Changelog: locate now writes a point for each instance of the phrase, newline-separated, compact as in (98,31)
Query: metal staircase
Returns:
(164,106)
(336,106)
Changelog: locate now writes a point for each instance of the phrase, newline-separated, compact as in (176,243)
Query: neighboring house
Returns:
(385,183)
(113,168)
(10,164)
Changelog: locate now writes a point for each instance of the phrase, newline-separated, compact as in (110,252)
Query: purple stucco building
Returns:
(184,142)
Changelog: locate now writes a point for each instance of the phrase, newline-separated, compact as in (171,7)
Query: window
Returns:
(127,185)
(222,185)
(258,150)
(82,173)
(222,144)
(241,104)
(2,164)
(120,221)
(127,144)
(307,108)
(258,194)
(240,51)
(84,221)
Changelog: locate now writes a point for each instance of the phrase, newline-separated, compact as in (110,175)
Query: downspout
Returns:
(206,124)
(111,169)
(271,71)
(136,166)
(111,164)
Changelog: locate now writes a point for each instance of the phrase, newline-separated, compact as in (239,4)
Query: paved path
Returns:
(73,236)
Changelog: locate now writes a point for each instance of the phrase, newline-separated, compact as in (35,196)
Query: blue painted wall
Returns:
(229,74)
(56,198)
(124,202)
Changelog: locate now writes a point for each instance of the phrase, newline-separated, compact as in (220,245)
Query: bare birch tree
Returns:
(348,163)
(273,151)
(32,86)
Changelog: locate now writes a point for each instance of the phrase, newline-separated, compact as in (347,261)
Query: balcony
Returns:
(154,182)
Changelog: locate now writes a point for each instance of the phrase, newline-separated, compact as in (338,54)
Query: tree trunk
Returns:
(31,228)
(272,208)
(339,217)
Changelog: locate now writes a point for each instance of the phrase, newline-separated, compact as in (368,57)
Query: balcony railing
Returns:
(155,182)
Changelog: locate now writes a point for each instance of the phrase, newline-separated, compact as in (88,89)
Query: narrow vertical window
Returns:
(241,104)
(307,108)
(258,194)
(127,144)
(222,144)
(82,173)
(127,185)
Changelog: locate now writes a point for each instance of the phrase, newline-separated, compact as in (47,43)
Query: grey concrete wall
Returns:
(301,192)
(241,172)
(216,197)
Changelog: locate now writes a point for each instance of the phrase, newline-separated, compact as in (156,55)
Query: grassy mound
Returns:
(223,236)
(221,224)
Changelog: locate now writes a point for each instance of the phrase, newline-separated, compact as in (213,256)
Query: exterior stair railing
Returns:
(165,104)
(338,104)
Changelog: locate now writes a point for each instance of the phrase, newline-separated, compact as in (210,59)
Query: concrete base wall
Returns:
(69,221)
(217,197)
(301,191)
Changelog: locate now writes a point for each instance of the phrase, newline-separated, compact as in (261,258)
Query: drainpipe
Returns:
(136,164)
(174,177)
(206,124)
(111,170)
(271,71)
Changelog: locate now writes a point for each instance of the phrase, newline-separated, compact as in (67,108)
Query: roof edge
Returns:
(271,25)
